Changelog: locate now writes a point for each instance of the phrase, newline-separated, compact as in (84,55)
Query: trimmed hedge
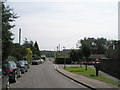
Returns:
(60,60)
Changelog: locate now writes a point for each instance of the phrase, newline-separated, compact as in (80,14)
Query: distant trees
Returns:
(34,48)
(88,46)
(74,55)
(28,51)
(98,46)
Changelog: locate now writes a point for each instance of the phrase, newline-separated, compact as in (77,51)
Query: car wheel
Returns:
(26,70)
(20,74)
(15,78)
(7,85)
(23,71)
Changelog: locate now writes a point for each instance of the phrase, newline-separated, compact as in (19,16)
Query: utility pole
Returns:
(59,48)
(64,59)
(19,41)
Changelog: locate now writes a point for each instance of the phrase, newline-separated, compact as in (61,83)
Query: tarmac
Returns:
(88,82)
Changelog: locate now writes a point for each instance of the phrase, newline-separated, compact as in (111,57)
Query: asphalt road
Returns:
(44,76)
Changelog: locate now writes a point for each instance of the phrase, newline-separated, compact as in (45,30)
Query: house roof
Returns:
(97,56)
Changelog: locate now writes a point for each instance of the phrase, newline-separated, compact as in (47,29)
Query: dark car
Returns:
(13,70)
(4,79)
(35,62)
(26,63)
(22,66)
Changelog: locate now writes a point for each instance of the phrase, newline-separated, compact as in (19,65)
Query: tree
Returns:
(80,56)
(8,16)
(37,51)
(15,49)
(29,55)
(86,50)
(98,46)
(74,55)
(34,48)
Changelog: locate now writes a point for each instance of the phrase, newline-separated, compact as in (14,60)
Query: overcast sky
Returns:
(64,22)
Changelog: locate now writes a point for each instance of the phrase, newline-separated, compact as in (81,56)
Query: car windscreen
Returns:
(26,62)
(11,65)
(21,63)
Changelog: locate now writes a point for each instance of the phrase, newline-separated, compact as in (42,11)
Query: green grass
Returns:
(91,74)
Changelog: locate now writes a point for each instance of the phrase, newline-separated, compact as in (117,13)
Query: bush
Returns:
(60,60)
(11,58)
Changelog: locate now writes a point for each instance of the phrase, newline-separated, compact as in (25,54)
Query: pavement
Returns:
(88,82)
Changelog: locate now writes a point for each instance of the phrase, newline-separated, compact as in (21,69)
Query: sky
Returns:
(64,22)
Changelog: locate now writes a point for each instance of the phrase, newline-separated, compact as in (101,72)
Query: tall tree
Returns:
(86,50)
(8,16)
(80,56)
(37,51)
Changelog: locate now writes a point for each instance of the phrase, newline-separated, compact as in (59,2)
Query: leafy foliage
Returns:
(98,46)
(8,16)
(34,48)
(74,55)
(11,58)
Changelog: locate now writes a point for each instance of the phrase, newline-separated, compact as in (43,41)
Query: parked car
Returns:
(26,63)
(13,70)
(35,62)
(4,79)
(41,60)
(89,62)
(22,66)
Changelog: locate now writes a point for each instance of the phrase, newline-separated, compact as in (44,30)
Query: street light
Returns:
(64,60)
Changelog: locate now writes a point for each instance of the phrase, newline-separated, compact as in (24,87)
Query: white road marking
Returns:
(54,66)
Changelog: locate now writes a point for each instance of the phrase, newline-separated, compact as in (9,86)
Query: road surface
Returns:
(44,76)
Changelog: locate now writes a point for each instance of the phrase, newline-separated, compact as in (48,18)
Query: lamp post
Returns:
(64,59)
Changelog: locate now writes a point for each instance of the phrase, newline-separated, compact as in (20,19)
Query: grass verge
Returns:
(90,72)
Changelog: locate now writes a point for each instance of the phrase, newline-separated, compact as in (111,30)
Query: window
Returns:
(113,47)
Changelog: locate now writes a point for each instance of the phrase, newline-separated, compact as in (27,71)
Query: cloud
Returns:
(103,1)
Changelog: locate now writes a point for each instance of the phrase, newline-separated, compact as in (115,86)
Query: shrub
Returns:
(11,58)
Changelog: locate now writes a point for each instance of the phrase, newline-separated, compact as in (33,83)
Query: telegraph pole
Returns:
(19,41)
(64,59)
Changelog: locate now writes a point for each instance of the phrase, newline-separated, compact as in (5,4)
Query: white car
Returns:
(41,60)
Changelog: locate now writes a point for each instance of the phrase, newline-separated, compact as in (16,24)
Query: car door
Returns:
(5,78)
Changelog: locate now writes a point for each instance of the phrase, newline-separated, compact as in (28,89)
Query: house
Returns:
(114,51)
(66,52)
(97,56)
